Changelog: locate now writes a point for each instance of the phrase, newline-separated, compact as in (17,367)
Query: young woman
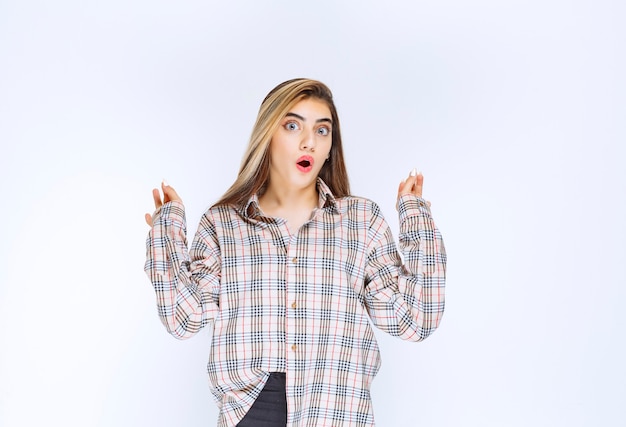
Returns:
(290,270)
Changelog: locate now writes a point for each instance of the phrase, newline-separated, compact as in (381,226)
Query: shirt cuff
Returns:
(411,206)
(171,213)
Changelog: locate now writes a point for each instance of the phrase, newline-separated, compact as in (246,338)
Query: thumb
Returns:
(401,185)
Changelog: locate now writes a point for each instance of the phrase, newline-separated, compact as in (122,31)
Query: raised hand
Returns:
(412,185)
(169,195)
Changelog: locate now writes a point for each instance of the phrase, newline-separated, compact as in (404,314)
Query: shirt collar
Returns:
(326,197)
(326,200)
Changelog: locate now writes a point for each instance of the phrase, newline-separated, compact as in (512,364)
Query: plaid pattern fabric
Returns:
(301,303)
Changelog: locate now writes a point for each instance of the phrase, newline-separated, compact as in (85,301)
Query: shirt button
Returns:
(294,260)
(293,347)
(294,305)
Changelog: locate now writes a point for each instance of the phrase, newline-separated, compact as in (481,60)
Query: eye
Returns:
(292,126)
(324,131)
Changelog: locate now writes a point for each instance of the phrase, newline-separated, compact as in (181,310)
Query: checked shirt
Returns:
(302,303)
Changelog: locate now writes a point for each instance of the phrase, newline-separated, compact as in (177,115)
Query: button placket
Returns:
(291,327)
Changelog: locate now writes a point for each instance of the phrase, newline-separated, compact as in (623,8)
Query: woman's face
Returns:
(301,145)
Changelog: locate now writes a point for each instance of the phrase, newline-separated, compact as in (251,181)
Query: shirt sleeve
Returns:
(406,299)
(186,282)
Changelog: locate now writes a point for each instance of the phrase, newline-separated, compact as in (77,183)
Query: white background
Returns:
(513,110)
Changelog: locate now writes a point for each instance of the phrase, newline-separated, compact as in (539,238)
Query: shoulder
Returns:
(364,214)
(355,206)
(351,203)
(218,217)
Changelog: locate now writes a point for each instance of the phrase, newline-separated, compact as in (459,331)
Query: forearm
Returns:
(424,263)
(179,302)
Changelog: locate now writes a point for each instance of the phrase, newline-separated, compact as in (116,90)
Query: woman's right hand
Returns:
(169,195)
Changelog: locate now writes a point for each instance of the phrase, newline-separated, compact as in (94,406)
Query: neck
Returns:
(285,198)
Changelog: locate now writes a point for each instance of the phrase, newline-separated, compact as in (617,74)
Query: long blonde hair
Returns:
(254,170)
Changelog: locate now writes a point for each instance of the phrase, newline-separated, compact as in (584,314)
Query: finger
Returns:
(169,194)
(148,218)
(157,198)
(428,203)
(419,184)
(401,186)
(407,185)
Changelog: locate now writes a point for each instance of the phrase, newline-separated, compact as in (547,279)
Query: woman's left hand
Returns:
(169,195)
(412,185)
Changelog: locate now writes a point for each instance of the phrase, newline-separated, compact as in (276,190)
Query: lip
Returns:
(304,168)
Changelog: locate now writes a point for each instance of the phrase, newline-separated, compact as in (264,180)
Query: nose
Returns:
(308,141)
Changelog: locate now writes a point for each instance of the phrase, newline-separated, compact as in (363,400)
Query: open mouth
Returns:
(305,163)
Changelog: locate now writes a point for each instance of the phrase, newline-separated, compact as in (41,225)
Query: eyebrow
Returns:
(298,116)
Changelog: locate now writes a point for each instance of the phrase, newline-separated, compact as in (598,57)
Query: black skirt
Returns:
(270,408)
